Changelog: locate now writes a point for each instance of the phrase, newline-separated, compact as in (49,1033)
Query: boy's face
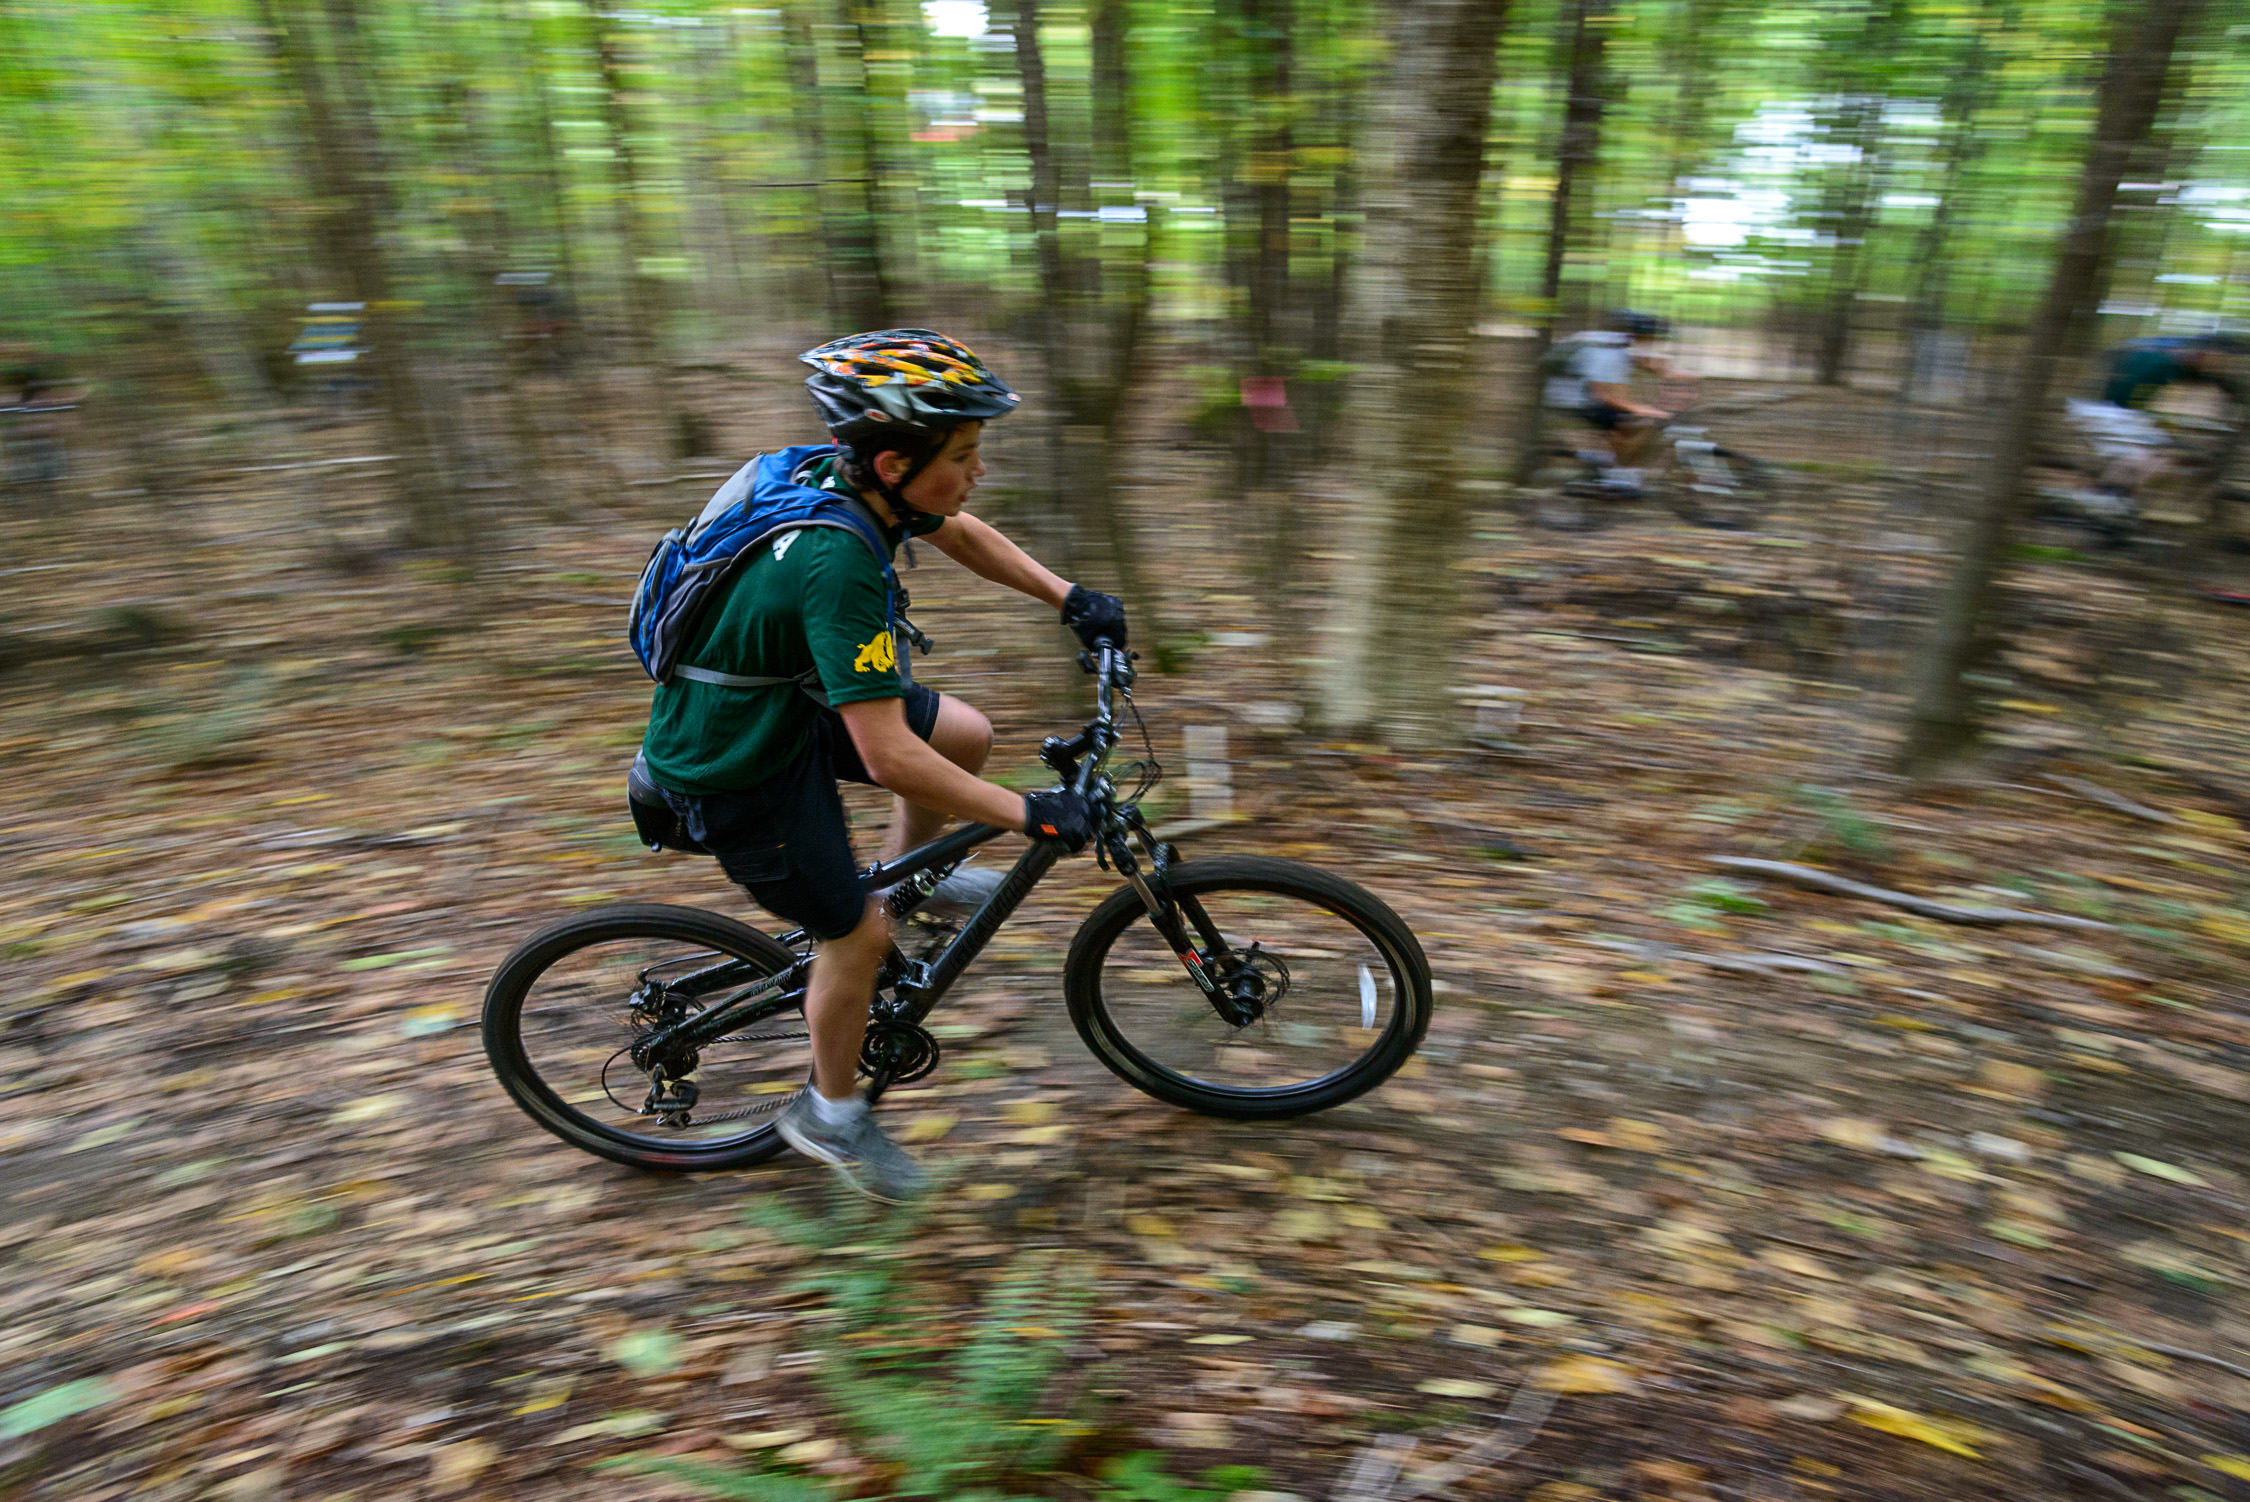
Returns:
(943,486)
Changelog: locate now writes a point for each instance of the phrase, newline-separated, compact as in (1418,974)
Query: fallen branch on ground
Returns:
(1806,876)
(1375,1473)
(2095,793)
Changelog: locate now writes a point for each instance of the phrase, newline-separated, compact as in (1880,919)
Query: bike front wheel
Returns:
(563,1012)
(1711,486)
(1337,989)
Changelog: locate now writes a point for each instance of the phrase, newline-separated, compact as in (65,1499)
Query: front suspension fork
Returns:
(1173,917)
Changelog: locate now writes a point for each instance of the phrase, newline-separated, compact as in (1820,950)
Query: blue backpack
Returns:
(758,503)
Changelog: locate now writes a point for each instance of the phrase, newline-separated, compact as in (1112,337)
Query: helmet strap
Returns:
(894,493)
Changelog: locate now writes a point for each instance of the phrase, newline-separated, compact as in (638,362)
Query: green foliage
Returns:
(957,1424)
(207,735)
(412,638)
(1843,827)
(1141,1477)
(1725,896)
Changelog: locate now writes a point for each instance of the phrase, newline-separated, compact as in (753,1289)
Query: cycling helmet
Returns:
(901,390)
(1638,325)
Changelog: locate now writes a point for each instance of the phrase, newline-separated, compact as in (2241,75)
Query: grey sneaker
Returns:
(964,889)
(859,1150)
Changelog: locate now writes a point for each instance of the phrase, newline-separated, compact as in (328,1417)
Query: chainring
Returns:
(897,1053)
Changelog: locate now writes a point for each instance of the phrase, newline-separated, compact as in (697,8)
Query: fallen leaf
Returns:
(1585,1374)
(928,1128)
(809,1451)
(2237,1466)
(645,1353)
(366,1108)
(1544,1319)
(1795,1262)
(2158,1170)
(766,1439)
(1854,1132)
(1908,1425)
(630,1424)
(459,1464)
(990,1191)
(1028,1112)
(1455,1387)
(54,1405)
(1810,1407)
(1217,1340)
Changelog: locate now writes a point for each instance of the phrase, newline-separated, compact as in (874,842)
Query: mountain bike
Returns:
(2185,471)
(1240,986)
(1702,482)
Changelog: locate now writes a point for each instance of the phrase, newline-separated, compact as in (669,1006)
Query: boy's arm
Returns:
(907,765)
(983,550)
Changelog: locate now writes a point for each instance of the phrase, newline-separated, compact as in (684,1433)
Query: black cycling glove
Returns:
(1096,617)
(1059,815)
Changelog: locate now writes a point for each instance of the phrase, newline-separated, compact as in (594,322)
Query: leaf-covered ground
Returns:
(1776,1194)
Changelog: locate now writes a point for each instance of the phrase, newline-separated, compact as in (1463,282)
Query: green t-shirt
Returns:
(811,599)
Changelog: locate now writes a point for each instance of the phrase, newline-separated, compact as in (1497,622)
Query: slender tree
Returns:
(343,162)
(2143,35)
(1583,44)
(1389,649)
(1093,298)
(1854,194)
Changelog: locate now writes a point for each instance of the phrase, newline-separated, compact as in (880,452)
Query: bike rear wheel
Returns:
(1717,487)
(1340,989)
(563,1011)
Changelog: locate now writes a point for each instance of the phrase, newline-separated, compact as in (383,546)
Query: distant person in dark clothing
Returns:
(2132,444)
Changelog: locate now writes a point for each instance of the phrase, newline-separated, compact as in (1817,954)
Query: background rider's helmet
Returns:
(900,390)
(1638,325)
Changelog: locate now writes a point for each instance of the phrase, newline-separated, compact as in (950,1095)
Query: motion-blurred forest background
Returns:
(358,351)
(491,264)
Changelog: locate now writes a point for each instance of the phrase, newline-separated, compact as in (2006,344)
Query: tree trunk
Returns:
(1942,723)
(1856,198)
(647,304)
(1093,309)
(1389,660)
(1262,33)
(1584,41)
(1968,92)
(343,160)
(859,295)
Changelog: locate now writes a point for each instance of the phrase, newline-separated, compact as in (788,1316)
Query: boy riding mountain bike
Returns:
(1590,375)
(796,676)
(2132,446)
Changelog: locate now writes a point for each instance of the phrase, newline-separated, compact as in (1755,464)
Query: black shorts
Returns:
(785,841)
(1602,415)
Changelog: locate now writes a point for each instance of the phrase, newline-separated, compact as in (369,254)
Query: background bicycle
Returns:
(1701,481)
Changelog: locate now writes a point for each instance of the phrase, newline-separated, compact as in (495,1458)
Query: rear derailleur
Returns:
(670,1101)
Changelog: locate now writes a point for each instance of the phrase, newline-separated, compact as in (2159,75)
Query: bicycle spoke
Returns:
(1320,994)
(582,1015)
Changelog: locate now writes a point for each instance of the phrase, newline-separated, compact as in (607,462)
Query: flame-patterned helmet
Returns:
(911,384)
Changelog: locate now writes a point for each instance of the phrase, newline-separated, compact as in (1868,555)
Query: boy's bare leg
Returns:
(963,736)
(836,1000)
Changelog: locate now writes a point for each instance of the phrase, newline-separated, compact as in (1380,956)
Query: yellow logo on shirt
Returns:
(879,656)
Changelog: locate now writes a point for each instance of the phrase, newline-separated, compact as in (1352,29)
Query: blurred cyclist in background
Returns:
(2133,446)
(1590,375)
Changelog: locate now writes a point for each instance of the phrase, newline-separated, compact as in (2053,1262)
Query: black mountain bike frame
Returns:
(917,985)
